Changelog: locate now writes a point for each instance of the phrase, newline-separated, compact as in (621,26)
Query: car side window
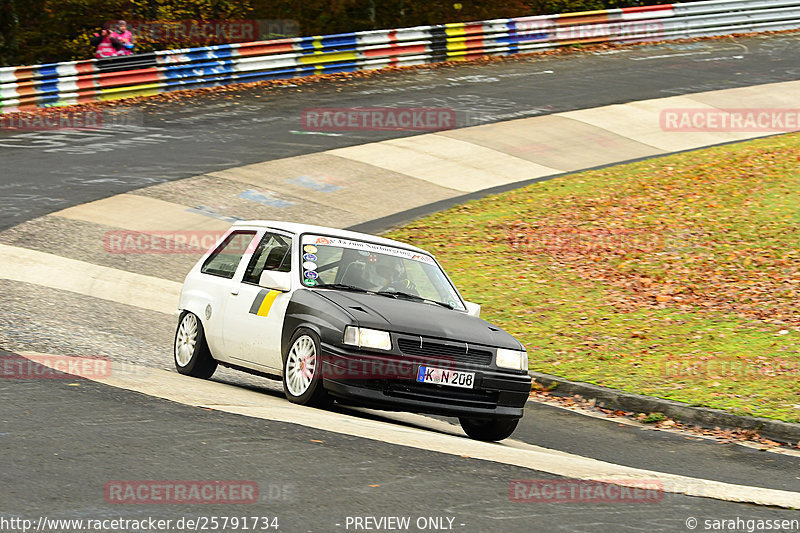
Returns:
(224,260)
(274,252)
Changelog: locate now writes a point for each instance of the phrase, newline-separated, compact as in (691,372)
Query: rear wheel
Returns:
(302,371)
(489,429)
(192,356)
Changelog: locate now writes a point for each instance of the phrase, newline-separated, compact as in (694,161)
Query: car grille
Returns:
(458,352)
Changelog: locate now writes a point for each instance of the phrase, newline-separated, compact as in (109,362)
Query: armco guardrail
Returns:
(24,88)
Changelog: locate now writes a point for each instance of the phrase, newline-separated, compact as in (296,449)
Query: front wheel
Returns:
(489,429)
(192,356)
(302,371)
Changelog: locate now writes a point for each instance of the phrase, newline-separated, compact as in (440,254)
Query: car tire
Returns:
(489,429)
(190,350)
(302,371)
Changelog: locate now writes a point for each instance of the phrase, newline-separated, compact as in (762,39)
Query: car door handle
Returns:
(235,291)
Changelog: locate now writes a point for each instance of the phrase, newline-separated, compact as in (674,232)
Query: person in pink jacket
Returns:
(125,38)
(105,42)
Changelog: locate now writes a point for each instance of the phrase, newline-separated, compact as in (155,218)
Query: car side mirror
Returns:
(473,309)
(272,279)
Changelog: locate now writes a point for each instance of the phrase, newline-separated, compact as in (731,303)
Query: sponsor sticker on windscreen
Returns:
(312,241)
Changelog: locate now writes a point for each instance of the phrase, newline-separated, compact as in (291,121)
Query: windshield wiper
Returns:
(342,287)
(396,294)
(443,304)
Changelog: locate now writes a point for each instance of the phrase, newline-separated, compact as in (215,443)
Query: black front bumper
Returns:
(352,378)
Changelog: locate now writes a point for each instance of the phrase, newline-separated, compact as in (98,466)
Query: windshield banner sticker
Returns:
(311,240)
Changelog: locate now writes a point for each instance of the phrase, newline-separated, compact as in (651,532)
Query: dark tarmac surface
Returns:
(63,440)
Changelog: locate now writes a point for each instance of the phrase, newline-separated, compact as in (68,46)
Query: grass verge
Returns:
(676,277)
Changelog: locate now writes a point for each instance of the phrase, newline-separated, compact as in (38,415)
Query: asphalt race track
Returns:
(66,442)
(64,439)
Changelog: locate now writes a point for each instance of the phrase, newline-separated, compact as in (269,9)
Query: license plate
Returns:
(440,376)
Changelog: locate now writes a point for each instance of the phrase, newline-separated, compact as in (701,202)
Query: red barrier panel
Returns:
(128,77)
(273,47)
(645,9)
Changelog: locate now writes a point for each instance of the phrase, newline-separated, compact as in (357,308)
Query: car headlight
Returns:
(367,338)
(514,359)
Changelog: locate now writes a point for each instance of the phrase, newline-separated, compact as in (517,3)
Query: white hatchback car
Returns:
(352,317)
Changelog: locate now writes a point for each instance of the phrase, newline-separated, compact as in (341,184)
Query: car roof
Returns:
(297,228)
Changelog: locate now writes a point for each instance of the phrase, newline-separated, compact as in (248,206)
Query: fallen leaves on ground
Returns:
(706,236)
(675,277)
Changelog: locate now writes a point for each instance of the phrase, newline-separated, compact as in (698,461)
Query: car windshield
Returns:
(335,263)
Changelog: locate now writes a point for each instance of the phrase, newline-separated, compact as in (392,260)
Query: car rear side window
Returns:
(226,257)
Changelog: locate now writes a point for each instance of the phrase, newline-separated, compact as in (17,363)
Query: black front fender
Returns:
(307,309)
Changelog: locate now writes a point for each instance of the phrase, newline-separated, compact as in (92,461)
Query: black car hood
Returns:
(419,318)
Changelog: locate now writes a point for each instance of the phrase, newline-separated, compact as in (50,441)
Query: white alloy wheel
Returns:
(301,364)
(186,339)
